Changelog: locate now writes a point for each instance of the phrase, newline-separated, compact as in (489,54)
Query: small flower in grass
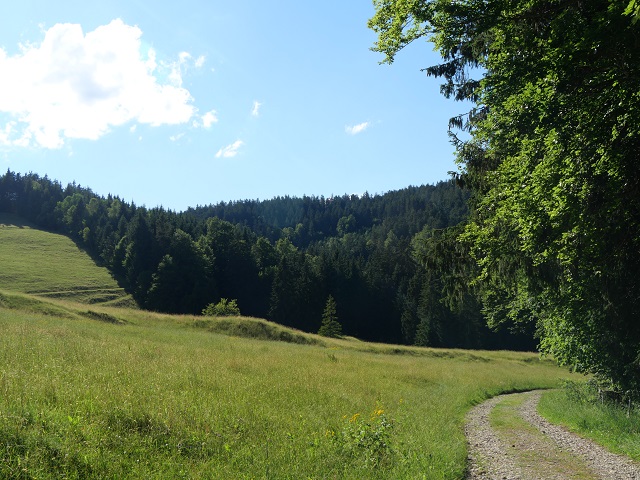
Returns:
(366,439)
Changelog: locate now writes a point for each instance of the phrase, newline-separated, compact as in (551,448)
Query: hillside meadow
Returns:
(155,396)
(88,390)
(51,265)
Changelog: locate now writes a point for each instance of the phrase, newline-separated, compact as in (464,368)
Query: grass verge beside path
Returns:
(578,408)
(153,397)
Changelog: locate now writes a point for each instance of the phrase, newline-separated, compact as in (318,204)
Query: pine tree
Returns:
(330,326)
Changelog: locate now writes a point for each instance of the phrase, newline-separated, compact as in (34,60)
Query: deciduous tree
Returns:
(552,158)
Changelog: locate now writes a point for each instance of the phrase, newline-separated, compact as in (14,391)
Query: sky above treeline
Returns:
(179,104)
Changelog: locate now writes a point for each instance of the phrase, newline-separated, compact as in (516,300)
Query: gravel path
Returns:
(544,452)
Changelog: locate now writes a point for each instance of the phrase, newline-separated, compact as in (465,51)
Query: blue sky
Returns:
(189,103)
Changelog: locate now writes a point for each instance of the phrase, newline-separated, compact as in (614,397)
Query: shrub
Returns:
(224,308)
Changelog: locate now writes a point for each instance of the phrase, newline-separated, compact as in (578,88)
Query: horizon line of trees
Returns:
(389,261)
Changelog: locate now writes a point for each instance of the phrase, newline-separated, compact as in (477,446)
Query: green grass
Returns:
(51,265)
(153,397)
(92,391)
(578,407)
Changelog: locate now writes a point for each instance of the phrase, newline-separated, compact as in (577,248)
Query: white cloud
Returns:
(230,151)
(175,138)
(209,119)
(206,120)
(356,129)
(76,85)
(200,61)
(255,111)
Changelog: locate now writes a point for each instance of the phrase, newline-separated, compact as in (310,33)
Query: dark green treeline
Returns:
(390,261)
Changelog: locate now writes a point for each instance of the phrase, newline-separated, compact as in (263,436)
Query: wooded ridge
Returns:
(281,259)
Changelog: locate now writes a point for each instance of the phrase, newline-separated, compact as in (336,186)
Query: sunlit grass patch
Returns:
(156,398)
(51,265)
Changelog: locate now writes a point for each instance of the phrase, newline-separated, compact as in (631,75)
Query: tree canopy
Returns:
(550,153)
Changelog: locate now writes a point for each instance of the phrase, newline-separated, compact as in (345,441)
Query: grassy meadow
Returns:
(88,390)
(52,266)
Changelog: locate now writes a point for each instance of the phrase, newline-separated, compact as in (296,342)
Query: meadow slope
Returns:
(93,391)
(50,265)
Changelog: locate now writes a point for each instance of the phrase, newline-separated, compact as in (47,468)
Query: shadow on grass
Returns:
(11,220)
(253,328)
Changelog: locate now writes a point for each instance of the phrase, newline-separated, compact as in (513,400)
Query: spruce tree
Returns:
(330,326)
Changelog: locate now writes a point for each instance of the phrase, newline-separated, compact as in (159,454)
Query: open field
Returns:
(93,391)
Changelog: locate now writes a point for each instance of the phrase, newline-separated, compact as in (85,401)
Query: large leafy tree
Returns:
(551,153)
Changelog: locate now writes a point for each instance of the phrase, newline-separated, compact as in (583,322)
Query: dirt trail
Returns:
(521,445)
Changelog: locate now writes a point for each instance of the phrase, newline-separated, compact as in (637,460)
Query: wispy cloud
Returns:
(230,151)
(356,129)
(255,111)
(200,61)
(77,85)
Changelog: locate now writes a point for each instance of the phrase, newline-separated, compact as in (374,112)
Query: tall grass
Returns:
(579,407)
(154,397)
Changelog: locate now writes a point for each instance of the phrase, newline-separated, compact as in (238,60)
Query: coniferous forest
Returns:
(391,262)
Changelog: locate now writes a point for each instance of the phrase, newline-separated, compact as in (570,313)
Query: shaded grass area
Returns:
(153,397)
(51,265)
(578,407)
(256,329)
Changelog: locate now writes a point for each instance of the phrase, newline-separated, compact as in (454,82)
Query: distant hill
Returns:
(392,262)
(50,265)
(310,219)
